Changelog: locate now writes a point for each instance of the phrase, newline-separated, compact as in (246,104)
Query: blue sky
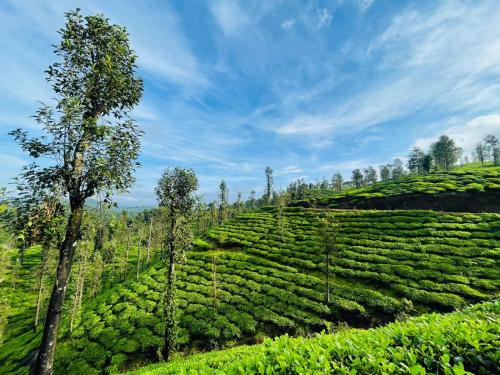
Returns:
(307,87)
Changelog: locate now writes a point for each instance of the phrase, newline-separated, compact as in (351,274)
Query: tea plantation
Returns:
(464,342)
(263,274)
(471,182)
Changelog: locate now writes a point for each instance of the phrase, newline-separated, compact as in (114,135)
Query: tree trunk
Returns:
(126,255)
(39,300)
(170,307)
(139,255)
(43,266)
(45,360)
(148,260)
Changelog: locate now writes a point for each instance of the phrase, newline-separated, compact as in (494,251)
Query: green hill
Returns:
(472,188)
(463,342)
(254,279)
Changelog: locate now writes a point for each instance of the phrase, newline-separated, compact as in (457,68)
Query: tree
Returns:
(329,228)
(427,163)
(89,136)
(223,198)
(397,169)
(385,172)
(481,152)
(269,184)
(416,160)
(444,152)
(251,200)
(239,203)
(493,145)
(175,191)
(357,178)
(370,175)
(337,181)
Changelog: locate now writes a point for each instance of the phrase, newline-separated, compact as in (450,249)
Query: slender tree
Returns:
(269,184)
(370,175)
(148,257)
(493,147)
(223,201)
(357,178)
(385,172)
(397,169)
(337,181)
(427,163)
(251,201)
(175,191)
(481,152)
(90,138)
(416,160)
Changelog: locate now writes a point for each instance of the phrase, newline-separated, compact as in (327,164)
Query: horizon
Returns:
(310,90)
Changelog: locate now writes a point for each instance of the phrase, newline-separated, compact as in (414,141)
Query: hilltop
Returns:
(471,188)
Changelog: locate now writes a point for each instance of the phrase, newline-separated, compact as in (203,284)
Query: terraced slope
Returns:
(255,278)
(435,344)
(472,188)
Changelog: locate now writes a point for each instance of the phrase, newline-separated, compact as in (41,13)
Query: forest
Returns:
(394,270)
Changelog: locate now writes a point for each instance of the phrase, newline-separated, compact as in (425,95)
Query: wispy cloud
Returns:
(288,24)
(229,15)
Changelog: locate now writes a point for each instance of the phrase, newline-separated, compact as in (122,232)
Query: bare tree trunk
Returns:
(170,307)
(148,260)
(126,254)
(45,359)
(39,300)
(139,255)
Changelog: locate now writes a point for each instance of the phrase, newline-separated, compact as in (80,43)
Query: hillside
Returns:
(472,188)
(452,343)
(254,278)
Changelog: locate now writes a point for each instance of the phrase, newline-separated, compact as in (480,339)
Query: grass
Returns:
(463,342)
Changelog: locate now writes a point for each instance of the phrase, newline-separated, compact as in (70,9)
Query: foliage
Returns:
(432,184)
(463,342)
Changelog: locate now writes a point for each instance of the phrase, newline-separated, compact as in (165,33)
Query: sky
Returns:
(309,88)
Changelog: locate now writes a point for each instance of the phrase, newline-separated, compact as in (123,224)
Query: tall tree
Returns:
(481,152)
(269,184)
(251,200)
(223,197)
(90,138)
(427,163)
(416,161)
(337,181)
(385,172)
(370,175)
(357,178)
(397,168)
(445,153)
(175,191)
(493,147)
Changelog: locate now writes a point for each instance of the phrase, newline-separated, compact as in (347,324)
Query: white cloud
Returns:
(324,18)
(446,60)
(288,24)
(364,4)
(229,15)
(466,135)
